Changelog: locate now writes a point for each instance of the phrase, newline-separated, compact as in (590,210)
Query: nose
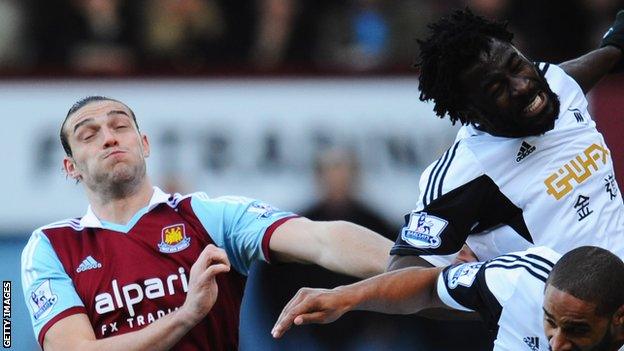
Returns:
(109,138)
(519,86)
(559,343)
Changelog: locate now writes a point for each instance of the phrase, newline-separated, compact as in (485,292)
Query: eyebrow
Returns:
(81,123)
(109,113)
(117,112)
(584,325)
(567,323)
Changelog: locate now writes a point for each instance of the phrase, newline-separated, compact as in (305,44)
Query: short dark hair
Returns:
(591,274)
(454,45)
(80,104)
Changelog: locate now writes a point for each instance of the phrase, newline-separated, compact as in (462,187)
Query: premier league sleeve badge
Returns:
(423,230)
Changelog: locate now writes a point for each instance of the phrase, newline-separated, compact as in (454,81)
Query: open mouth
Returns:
(536,105)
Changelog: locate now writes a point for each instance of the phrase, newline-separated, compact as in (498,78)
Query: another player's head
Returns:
(104,148)
(473,73)
(337,173)
(584,301)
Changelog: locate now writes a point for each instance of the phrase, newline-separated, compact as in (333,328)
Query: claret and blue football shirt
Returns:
(125,277)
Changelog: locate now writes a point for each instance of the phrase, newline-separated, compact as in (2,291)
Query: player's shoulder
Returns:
(232,205)
(40,237)
(559,81)
(217,200)
(544,253)
(39,242)
(33,241)
(68,223)
(544,67)
(505,272)
(551,71)
(457,166)
(540,259)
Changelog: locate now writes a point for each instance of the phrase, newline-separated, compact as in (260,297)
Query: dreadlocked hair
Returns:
(454,44)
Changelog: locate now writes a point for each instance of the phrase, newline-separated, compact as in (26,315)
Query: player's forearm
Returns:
(404,291)
(163,334)
(339,246)
(588,69)
(353,250)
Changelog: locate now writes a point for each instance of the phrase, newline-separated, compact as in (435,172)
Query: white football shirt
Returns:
(501,194)
(508,293)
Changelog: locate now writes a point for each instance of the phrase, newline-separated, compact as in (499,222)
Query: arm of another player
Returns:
(339,246)
(588,69)
(465,255)
(399,292)
(160,335)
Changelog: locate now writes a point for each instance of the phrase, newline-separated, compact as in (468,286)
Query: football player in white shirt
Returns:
(532,300)
(528,161)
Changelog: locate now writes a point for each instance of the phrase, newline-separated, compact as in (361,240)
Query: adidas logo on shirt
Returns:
(532,342)
(88,263)
(525,150)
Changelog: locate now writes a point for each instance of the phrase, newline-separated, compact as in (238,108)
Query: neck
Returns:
(119,208)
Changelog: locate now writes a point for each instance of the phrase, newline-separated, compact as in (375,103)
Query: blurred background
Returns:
(285,37)
(309,105)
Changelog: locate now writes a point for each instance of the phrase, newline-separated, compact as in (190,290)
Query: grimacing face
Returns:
(108,152)
(507,95)
(572,324)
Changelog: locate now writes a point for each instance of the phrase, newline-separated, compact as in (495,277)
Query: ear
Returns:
(70,168)
(146,145)
(618,317)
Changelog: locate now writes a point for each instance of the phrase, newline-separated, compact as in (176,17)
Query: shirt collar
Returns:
(90,220)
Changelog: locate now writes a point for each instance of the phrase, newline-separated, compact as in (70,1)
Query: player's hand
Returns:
(312,306)
(465,255)
(202,285)
(615,35)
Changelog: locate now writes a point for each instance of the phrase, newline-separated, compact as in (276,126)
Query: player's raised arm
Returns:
(399,292)
(588,69)
(339,246)
(76,333)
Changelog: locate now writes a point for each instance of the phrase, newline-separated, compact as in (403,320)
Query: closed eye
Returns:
(577,330)
(87,134)
(551,323)
(495,89)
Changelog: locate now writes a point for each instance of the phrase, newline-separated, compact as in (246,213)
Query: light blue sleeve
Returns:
(238,225)
(48,290)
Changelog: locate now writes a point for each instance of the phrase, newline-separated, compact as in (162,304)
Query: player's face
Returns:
(572,324)
(506,94)
(108,152)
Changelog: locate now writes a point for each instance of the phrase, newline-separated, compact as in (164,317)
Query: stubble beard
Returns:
(123,181)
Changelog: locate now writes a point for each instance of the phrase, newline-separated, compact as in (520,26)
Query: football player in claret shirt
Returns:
(531,300)
(145,270)
(528,166)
